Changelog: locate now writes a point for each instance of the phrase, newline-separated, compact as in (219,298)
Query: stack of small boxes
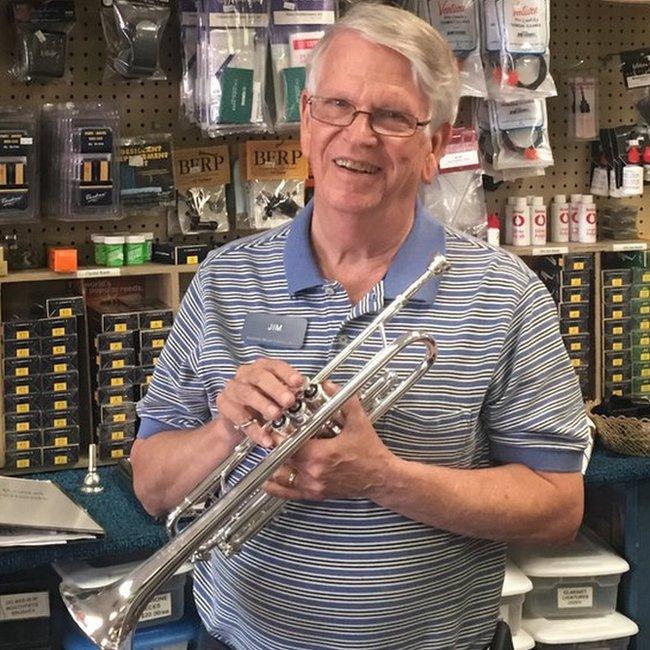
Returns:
(128,341)
(569,280)
(626,325)
(572,603)
(41,370)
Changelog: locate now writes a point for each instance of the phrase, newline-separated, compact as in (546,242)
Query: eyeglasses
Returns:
(383,121)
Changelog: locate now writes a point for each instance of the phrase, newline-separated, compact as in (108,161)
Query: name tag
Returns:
(275,331)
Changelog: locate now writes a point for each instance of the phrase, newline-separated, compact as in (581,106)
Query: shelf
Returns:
(38,275)
(607,246)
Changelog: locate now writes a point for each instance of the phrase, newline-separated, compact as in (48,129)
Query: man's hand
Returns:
(349,465)
(258,392)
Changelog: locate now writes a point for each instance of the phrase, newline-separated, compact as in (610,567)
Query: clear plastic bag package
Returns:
(19,179)
(276,171)
(81,177)
(201,210)
(455,197)
(520,133)
(582,113)
(146,172)
(296,28)
(189,37)
(42,28)
(516,49)
(458,22)
(201,176)
(133,33)
(231,67)
(484,133)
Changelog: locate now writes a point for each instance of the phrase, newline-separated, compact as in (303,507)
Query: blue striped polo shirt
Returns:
(347,573)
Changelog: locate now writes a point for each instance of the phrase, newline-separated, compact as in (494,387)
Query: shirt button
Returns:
(343,339)
(329,290)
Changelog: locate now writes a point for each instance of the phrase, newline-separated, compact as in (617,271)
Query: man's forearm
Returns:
(167,465)
(506,503)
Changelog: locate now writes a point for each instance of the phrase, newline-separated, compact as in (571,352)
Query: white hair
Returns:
(434,66)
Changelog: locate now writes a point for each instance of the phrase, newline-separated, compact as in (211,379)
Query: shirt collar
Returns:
(426,238)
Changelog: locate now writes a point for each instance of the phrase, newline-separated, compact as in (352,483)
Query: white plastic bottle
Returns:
(520,222)
(538,222)
(574,206)
(560,219)
(587,220)
(633,171)
(493,230)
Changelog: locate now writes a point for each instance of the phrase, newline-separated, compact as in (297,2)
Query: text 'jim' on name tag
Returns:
(275,331)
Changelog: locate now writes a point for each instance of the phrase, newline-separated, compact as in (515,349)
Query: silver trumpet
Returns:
(231,516)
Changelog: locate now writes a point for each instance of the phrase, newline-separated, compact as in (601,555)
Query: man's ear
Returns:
(438,143)
(305,123)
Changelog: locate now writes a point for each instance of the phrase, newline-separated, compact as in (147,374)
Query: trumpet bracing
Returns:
(109,614)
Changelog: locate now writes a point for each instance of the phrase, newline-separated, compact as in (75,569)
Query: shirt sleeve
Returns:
(533,410)
(176,398)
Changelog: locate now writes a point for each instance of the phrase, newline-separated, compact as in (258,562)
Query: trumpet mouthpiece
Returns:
(439,264)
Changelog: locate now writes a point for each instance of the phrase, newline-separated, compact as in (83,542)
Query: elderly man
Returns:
(394,534)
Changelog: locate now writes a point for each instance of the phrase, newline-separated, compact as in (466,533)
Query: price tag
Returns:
(630,246)
(98,273)
(550,250)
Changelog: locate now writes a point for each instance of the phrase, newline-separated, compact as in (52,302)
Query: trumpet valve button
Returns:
(311,391)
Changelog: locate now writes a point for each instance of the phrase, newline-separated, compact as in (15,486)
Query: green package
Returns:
(294,82)
(236,95)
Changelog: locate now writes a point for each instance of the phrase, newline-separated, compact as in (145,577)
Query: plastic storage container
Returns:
(515,586)
(170,636)
(25,614)
(167,604)
(522,641)
(577,580)
(611,632)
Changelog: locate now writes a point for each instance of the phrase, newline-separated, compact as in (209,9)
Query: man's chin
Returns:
(355,202)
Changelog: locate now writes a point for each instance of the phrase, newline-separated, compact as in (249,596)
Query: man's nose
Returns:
(360,127)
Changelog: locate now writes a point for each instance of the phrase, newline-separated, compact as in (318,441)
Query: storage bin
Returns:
(576,580)
(167,604)
(522,641)
(515,586)
(25,614)
(170,636)
(611,632)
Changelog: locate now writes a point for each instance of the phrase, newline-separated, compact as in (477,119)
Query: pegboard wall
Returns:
(590,30)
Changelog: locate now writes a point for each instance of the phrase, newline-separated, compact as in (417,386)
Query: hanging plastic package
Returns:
(189,37)
(516,54)
(456,196)
(42,28)
(275,173)
(231,59)
(133,32)
(81,181)
(296,28)
(201,175)
(521,134)
(19,154)
(481,123)
(458,22)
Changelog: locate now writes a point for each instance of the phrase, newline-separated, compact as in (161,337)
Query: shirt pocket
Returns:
(436,436)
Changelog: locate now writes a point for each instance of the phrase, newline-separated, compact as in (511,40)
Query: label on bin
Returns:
(17,607)
(159,607)
(571,597)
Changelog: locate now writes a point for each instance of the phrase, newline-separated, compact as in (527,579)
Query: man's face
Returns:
(371,77)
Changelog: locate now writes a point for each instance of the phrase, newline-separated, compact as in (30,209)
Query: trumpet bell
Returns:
(102,612)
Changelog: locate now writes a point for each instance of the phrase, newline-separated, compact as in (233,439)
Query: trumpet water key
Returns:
(232,516)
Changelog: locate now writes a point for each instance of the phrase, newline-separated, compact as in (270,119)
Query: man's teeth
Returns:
(356,166)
